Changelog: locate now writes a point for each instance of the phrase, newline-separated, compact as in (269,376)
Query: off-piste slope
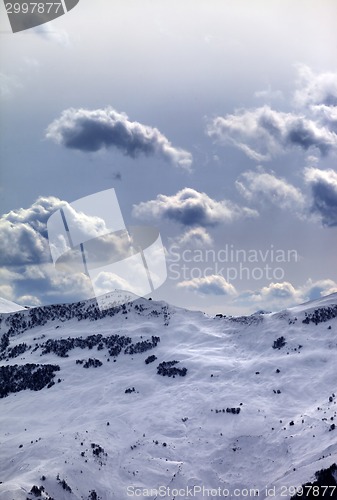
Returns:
(115,405)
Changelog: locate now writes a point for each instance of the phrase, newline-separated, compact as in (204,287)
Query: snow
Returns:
(230,362)
(328,300)
(6,306)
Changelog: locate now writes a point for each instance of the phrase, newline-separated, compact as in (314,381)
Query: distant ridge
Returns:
(324,301)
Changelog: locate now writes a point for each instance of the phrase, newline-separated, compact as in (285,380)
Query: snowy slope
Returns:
(169,431)
(326,301)
(6,306)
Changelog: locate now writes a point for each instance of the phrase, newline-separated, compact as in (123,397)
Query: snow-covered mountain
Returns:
(115,405)
(6,306)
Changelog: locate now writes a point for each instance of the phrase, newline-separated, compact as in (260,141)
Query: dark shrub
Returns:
(150,359)
(280,342)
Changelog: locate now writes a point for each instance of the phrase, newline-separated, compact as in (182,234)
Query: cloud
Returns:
(268,94)
(315,89)
(278,295)
(11,83)
(327,115)
(105,282)
(209,285)
(24,237)
(273,296)
(29,300)
(191,208)
(251,153)
(318,94)
(48,285)
(260,186)
(284,291)
(314,290)
(30,277)
(6,292)
(8,84)
(196,237)
(23,233)
(43,284)
(94,130)
(51,34)
(323,185)
(263,132)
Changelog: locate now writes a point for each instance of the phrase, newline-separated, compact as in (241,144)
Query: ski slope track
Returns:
(147,395)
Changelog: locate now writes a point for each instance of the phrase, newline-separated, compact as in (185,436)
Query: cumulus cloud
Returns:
(191,208)
(315,89)
(261,186)
(30,277)
(323,185)
(93,130)
(263,132)
(317,93)
(29,300)
(327,115)
(23,233)
(314,290)
(43,284)
(209,285)
(47,284)
(106,281)
(197,237)
(284,291)
(285,294)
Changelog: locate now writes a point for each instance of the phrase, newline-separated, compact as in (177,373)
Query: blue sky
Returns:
(220,129)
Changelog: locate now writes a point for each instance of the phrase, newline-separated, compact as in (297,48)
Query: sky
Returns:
(215,122)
